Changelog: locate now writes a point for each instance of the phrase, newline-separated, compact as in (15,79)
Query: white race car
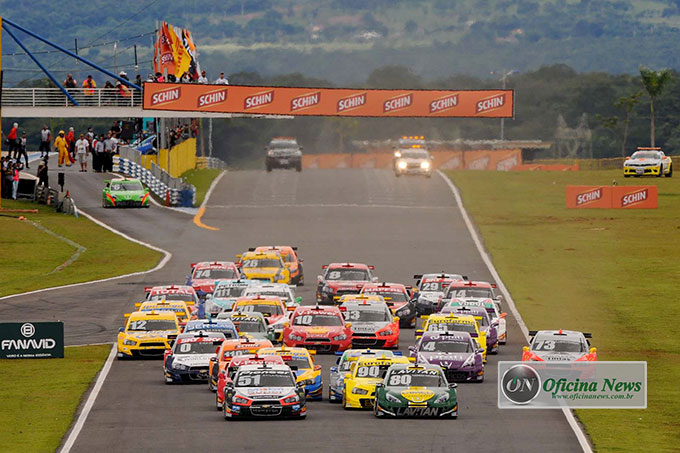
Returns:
(285,292)
(648,162)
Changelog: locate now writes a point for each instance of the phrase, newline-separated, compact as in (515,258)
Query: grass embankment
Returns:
(201,179)
(614,273)
(39,397)
(30,257)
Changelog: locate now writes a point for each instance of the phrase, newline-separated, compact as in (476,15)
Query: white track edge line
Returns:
(82,417)
(211,188)
(573,424)
(160,265)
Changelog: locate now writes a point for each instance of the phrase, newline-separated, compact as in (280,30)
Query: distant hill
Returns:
(344,40)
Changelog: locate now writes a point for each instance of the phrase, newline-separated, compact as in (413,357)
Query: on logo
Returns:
(521,384)
(28,330)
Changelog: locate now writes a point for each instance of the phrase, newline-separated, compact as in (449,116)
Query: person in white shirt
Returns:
(221,80)
(81,151)
(45,138)
(203,78)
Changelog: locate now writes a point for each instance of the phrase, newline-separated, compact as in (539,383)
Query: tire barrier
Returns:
(175,191)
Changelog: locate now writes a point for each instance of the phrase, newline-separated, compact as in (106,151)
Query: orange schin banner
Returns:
(612,197)
(328,101)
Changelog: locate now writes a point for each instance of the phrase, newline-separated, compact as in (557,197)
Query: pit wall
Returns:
(502,160)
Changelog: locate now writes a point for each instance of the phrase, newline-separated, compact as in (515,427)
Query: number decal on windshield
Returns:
(368,371)
(354,315)
(138,325)
(334,275)
(403,380)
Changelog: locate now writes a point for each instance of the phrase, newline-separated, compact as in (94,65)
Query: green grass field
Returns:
(614,273)
(30,256)
(201,179)
(39,397)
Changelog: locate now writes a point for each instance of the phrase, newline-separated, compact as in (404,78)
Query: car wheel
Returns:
(298,168)
(398,174)
(670,171)
(269,169)
(660,171)
(344,401)
(626,176)
(224,411)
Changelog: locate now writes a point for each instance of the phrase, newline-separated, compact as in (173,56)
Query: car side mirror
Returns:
(593,350)
(375,279)
(453,385)
(208,296)
(503,315)
(333,369)
(348,375)
(348,324)
(419,332)
(319,278)
(412,349)
(379,385)
(525,349)
(395,319)
(317,367)
(499,298)
(298,299)
(121,330)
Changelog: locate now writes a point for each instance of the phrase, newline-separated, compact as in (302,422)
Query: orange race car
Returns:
(229,349)
(290,259)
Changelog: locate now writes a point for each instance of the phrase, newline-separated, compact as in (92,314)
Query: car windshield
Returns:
(553,345)
(302,363)
(451,327)
(446,346)
(261,262)
(415,378)
(265,309)
(283,144)
(148,325)
(358,275)
(288,258)
(171,297)
(215,274)
(372,371)
(127,185)
(309,319)
(277,293)
(367,315)
(345,365)
(265,378)
(229,334)
(235,353)
(249,326)
(203,347)
(460,293)
(228,292)
(430,286)
(646,155)
(390,297)
(413,154)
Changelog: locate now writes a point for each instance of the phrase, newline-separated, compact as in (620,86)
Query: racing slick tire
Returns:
(269,168)
(670,171)
(344,402)
(298,167)
(397,174)
(660,171)
(626,176)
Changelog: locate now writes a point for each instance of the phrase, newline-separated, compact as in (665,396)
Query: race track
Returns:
(401,225)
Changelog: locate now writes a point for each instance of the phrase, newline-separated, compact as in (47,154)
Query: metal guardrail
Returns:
(54,97)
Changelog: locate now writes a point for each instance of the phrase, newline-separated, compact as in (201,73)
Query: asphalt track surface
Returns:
(401,225)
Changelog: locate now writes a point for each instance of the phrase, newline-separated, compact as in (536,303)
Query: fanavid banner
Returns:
(31,340)
(265,100)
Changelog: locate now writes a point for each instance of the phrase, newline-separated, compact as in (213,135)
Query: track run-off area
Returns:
(402,226)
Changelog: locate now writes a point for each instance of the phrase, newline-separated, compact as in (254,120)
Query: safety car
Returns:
(147,334)
(307,373)
(398,298)
(359,386)
(285,292)
(648,162)
(373,324)
(229,349)
(283,152)
(264,391)
(290,258)
(320,328)
(189,358)
(342,278)
(414,161)
(457,353)
(559,346)
(416,391)
(264,266)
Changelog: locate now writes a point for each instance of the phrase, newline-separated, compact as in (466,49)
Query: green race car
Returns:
(415,391)
(125,192)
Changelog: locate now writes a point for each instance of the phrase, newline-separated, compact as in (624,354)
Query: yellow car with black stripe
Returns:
(264,266)
(306,372)
(365,374)
(147,334)
(451,322)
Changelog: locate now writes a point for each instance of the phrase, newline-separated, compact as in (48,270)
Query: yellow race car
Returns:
(360,382)
(264,266)
(179,308)
(147,334)
(306,372)
(451,322)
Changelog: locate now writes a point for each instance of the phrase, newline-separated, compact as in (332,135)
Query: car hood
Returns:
(261,271)
(367,327)
(430,295)
(415,394)
(276,319)
(318,331)
(642,162)
(264,392)
(346,284)
(443,359)
(559,356)
(152,334)
(192,359)
(128,194)
(396,305)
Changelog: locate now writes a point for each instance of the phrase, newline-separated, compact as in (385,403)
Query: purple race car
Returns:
(485,324)
(457,353)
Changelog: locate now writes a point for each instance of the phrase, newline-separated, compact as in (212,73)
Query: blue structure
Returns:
(5,25)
